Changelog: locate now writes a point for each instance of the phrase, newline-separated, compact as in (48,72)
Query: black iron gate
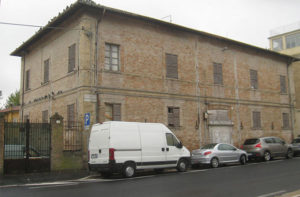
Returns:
(27,147)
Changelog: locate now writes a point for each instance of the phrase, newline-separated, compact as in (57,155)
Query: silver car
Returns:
(216,154)
(267,148)
(296,146)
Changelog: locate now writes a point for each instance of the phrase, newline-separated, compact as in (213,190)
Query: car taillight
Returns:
(258,145)
(242,147)
(207,153)
(112,154)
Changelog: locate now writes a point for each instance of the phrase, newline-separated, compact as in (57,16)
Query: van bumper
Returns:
(112,166)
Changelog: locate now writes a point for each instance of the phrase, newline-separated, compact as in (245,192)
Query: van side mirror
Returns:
(179,145)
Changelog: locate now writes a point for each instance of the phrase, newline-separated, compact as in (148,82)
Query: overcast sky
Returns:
(248,21)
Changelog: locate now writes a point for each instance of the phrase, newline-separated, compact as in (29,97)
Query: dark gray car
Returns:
(267,148)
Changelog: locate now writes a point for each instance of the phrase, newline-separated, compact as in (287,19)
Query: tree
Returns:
(13,99)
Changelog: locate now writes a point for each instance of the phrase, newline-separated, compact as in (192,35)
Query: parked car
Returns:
(296,146)
(267,148)
(124,147)
(218,153)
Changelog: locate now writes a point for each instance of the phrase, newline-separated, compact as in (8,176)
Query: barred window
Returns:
(172,66)
(256,120)
(112,57)
(72,55)
(282,84)
(285,121)
(218,74)
(253,79)
(46,71)
(173,117)
(72,131)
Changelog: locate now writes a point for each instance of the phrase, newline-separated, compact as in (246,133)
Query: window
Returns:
(282,84)
(70,115)
(27,80)
(45,116)
(72,55)
(269,140)
(172,66)
(256,120)
(26,117)
(112,112)
(171,140)
(173,117)
(285,121)
(218,74)
(292,40)
(253,79)
(277,44)
(112,57)
(226,147)
(46,71)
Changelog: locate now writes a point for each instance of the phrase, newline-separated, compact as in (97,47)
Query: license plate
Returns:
(94,156)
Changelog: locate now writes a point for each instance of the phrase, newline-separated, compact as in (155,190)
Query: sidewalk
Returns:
(19,179)
(292,194)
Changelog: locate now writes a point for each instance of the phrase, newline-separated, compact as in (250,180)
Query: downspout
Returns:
(96,66)
(23,88)
(292,111)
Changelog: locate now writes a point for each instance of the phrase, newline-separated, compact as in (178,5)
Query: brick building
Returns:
(117,65)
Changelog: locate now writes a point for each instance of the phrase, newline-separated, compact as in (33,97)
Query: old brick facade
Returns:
(121,72)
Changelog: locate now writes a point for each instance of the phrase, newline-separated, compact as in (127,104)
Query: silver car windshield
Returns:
(209,146)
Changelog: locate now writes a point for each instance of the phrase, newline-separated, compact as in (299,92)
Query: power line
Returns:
(37,26)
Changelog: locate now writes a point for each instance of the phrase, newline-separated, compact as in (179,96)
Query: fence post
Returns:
(1,146)
(57,127)
(27,130)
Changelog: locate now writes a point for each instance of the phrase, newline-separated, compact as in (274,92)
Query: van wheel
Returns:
(182,165)
(128,170)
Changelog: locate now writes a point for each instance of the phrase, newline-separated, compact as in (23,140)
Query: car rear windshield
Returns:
(296,141)
(251,141)
(209,146)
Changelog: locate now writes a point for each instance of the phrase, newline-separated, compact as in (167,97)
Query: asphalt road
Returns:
(254,179)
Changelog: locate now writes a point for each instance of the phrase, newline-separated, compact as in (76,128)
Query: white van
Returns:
(125,147)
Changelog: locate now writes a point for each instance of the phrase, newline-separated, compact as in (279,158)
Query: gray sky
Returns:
(248,21)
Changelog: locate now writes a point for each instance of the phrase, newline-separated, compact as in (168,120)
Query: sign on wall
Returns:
(87,120)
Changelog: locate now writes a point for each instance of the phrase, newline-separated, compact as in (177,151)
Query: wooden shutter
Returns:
(256,120)
(117,112)
(172,66)
(285,120)
(27,80)
(72,53)
(218,74)
(254,79)
(46,70)
(282,84)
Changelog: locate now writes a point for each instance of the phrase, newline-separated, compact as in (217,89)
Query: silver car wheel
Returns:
(214,162)
(289,154)
(267,156)
(243,160)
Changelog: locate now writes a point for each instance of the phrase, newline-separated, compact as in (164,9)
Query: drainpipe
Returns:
(96,65)
(23,88)
(291,103)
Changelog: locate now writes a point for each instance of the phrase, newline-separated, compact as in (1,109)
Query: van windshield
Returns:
(251,141)
(209,146)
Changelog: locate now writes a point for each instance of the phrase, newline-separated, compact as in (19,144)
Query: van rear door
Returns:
(99,146)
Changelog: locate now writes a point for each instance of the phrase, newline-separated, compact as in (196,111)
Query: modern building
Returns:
(286,40)
(106,64)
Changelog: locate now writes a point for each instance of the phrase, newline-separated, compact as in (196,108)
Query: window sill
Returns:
(256,128)
(284,93)
(45,83)
(286,128)
(111,71)
(71,72)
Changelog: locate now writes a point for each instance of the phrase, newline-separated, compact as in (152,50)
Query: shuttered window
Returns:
(70,115)
(282,84)
(72,55)
(218,74)
(46,71)
(112,112)
(256,120)
(27,80)
(173,117)
(172,66)
(285,121)
(253,79)
(112,57)
(45,116)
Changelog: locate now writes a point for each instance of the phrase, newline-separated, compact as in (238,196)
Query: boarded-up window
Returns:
(46,71)
(173,117)
(282,84)
(112,112)
(285,121)
(256,120)
(253,79)
(45,116)
(172,66)
(112,57)
(70,115)
(72,55)
(218,74)
(27,80)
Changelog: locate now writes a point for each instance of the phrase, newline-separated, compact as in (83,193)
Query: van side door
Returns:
(173,153)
